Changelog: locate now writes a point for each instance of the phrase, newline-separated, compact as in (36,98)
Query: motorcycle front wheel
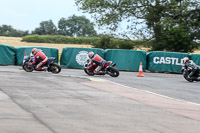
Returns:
(88,72)
(185,75)
(113,71)
(27,69)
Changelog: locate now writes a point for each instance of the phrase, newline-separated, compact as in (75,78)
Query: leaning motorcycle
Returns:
(108,68)
(187,70)
(50,66)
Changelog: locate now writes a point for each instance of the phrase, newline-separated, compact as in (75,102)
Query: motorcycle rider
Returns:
(191,65)
(98,60)
(39,56)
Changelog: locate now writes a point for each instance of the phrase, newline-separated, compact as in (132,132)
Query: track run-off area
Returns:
(73,102)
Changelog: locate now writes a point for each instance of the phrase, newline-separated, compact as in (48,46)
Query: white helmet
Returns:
(185,59)
(33,51)
(91,55)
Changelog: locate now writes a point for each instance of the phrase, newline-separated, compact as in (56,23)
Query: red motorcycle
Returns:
(107,68)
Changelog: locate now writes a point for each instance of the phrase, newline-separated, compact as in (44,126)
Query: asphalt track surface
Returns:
(72,102)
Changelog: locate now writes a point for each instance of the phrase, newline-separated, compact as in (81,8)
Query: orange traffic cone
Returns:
(140,73)
(25,54)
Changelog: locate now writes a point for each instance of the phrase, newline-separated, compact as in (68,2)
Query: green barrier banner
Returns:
(159,61)
(49,52)
(195,58)
(7,55)
(72,57)
(126,59)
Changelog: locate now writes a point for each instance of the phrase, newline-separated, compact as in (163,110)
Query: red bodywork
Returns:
(107,63)
(93,66)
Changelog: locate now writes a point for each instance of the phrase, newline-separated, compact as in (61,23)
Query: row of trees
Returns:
(172,25)
(72,26)
(7,30)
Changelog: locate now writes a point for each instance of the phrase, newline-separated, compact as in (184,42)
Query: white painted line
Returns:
(3,96)
(154,93)
(98,79)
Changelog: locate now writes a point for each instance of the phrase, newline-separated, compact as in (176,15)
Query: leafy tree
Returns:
(157,18)
(8,30)
(46,28)
(104,42)
(76,26)
(177,39)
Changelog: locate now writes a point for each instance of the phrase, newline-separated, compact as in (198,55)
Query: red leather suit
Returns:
(42,58)
(98,60)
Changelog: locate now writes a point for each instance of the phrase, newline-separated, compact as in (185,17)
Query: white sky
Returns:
(27,14)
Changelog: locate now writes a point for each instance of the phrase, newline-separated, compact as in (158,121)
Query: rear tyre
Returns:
(55,68)
(113,72)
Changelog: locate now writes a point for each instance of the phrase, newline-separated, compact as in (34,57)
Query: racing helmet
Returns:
(91,55)
(34,51)
(185,59)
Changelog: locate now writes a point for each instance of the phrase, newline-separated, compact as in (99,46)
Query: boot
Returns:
(101,73)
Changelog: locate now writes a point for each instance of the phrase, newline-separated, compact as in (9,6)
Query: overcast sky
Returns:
(27,14)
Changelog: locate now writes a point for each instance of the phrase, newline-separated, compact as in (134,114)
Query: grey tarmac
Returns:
(72,102)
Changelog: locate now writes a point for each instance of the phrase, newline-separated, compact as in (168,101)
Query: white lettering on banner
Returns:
(173,60)
(82,57)
(155,60)
(177,63)
(167,60)
(162,60)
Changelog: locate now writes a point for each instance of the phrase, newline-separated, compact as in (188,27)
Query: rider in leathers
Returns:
(191,65)
(41,57)
(98,60)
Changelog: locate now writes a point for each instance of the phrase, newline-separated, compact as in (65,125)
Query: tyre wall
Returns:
(195,58)
(128,60)
(76,57)
(159,61)
(7,55)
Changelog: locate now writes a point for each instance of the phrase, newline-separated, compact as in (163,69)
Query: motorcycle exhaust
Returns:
(113,64)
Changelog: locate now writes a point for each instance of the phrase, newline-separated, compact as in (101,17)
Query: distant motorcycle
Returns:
(187,70)
(107,68)
(50,65)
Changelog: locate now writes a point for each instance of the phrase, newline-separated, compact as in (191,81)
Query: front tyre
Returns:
(112,71)
(27,69)
(55,68)
(88,72)
(185,75)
